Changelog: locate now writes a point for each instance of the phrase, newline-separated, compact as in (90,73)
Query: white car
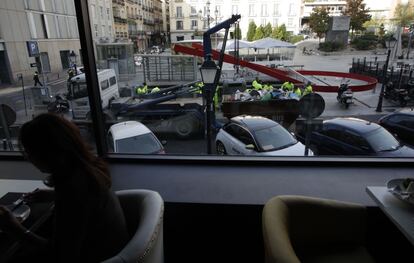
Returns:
(255,135)
(133,137)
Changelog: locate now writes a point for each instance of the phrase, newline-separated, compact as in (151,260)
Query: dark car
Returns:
(351,136)
(400,123)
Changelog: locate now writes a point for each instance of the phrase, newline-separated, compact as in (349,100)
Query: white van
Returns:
(78,92)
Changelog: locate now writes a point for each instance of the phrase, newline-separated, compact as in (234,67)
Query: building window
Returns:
(193,10)
(102,12)
(179,25)
(251,10)
(180,38)
(275,22)
(290,22)
(276,11)
(96,30)
(108,14)
(264,9)
(194,24)
(234,9)
(263,22)
(179,11)
(292,9)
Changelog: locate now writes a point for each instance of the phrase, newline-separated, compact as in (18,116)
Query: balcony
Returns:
(119,2)
(120,20)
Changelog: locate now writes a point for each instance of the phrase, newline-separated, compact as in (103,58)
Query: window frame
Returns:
(86,39)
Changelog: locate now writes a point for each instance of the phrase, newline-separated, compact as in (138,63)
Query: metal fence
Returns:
(160,68)
(401,74)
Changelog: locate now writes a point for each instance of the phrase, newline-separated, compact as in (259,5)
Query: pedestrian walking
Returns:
(36,79)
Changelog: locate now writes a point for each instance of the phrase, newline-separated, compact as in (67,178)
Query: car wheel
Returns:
(220,149)
(184,128)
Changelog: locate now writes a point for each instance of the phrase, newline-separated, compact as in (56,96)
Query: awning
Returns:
(230,44)
(271,43)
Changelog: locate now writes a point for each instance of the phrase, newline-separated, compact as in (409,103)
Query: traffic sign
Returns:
(33,65)
(311,105)
(33,48)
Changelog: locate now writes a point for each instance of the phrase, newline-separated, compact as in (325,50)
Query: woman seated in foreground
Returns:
(88,223)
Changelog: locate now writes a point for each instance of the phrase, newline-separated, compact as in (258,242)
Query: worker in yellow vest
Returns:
(268,87)
(155,90)
(288,86)
(256,85)
(298,92)
(308,89)
(142,90)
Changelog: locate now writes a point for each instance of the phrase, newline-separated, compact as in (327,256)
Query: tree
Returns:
(281,33)
(381,31)
(237,33)
(318,21)
(359,14)
(404,14)
(268,30)
(259,33)
(251,31)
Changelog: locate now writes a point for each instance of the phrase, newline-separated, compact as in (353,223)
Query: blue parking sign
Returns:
(33,48)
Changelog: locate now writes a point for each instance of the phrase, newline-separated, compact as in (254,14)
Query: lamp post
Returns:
(391,44)
(207,14)
(72,59)
(409,40)
(208,72)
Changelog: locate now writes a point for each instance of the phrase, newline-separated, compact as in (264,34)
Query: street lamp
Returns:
(390,43)
(72,59)
(208,72)
(207,18)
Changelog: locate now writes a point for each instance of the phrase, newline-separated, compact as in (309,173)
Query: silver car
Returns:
(255,135)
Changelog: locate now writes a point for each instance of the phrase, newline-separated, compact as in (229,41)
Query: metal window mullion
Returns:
(87,44)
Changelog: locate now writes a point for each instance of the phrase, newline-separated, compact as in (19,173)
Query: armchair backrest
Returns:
(143,211)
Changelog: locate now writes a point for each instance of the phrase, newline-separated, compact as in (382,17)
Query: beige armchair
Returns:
(143,210)
(304,229)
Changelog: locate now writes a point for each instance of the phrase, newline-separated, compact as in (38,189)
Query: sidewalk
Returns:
(51,80)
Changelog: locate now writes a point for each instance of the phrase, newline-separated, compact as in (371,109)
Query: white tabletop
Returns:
(21,186)
(400,212)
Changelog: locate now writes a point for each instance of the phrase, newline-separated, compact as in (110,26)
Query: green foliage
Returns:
(295,38)
(251,31)
(281,33)
(331,46)
(259,33)
(381,31)
(365,42)
(318,21)
(237,33)
(267,30)
(404,14)
(358,12)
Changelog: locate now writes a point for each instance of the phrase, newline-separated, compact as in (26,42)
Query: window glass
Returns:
(143,144)
(274,138)
(39,59)
(145,77)
(381,140)
(104,84)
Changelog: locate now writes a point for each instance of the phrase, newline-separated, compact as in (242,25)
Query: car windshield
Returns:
(142,144)
(381,140)
(274,138)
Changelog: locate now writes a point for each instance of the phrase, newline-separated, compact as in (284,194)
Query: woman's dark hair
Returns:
(57,142)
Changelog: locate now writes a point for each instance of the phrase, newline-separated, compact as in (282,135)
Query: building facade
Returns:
(190,18)
(36,36)
(102,20)
(166,27)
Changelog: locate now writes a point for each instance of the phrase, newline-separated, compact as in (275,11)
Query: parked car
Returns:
(400,123)
(133,137)
(352,136)
(255,135)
